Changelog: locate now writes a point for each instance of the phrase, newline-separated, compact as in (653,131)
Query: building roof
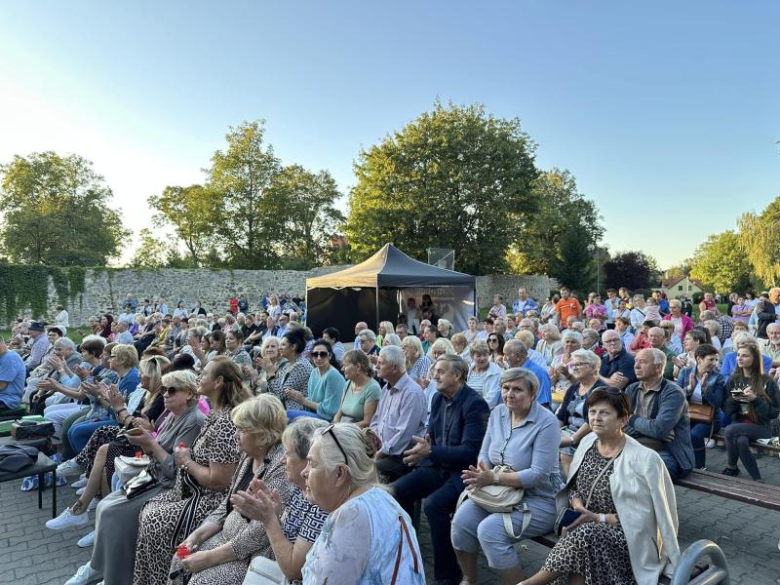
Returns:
(672,282)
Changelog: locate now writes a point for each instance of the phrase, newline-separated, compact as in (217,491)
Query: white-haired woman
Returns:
(484,374)
(113,555)
(269,358)
(561,373)
(367,531)
(550,346)
(445,328)
(523,434)
(292,535)
(227,540)
(417,363)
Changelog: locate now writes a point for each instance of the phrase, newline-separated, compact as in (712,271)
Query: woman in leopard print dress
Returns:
(202,481)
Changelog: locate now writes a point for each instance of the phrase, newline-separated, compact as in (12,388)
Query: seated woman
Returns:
(752,402)
(524,435)
(417,363)
(361,394)
(483,374)
(106,444)
(226,540)
(495,343)
(123,362)
(705,391)
(561,373)
(292,535)
(116,523)
(693,339)
(385,327)
(626,501)
(367,530)
(203,477)
(234,343)
(472,331)
(572,414)
(293,375)
(326,385)
(641,341)
(461,345)
(268,354)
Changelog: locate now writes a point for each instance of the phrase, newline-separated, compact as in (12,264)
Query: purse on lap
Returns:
(264,571)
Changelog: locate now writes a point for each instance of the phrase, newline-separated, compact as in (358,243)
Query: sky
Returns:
(667,113)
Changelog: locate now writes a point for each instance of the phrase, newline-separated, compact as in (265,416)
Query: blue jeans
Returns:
(79,434)
(674,469)
(440,488)
(293,414)
(699,432)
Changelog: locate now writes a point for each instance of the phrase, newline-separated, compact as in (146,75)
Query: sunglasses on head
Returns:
(329,430)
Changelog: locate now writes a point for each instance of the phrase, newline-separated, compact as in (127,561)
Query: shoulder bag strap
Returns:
(404,533)
(598,477)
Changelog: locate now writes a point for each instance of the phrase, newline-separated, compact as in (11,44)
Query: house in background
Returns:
(681,286)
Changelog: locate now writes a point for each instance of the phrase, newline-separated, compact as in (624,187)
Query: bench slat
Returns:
(732,488)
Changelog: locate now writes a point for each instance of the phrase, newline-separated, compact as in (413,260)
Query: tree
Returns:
(307,212)
(455,177)
(538,245)
(720,263)
(192,212)
(574,268)
(759,240)
(152,253)
(633,270)
(239,179)
(57,212)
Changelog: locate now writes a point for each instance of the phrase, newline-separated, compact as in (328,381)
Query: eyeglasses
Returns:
(493,340)
(170,390)
(319,354)
(580,365)
(329,429)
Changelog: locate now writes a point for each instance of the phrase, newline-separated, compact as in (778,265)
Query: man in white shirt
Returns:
(523,303)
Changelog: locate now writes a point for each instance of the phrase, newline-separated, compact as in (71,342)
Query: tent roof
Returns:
(391,268)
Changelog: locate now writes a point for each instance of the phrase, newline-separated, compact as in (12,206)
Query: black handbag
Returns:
(141,483)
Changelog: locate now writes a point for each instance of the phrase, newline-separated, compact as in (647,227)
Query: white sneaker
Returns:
(93,504)
(69,467)
(710,443)
(67,520)
(87,541)
(80,483)
(83,576)
(80,491)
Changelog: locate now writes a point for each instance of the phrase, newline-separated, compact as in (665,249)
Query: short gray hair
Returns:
(300,433)
(455,363)
(659,357)
(592,333)
(392,339)
(569,334)
(479,347)
(65,343)
(367,334)
(517,345)
(416,345)
(588,356)
(527,376)
(358,452)
(394,356)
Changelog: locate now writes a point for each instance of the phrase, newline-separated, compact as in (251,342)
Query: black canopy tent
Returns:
(374,290)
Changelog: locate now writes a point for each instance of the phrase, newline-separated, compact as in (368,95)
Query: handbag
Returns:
(701,413)
(558,527)
(141,483)
(264,571)
(500,499)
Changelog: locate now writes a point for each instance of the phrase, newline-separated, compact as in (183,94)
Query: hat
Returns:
(37,326)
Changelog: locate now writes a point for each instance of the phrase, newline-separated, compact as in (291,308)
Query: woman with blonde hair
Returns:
(269,358)
(550,346)
(461,345)
(417,363)
(385,328)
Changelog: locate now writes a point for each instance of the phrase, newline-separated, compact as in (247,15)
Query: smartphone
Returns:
(567,518)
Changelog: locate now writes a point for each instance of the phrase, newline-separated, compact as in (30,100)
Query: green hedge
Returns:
(27,286)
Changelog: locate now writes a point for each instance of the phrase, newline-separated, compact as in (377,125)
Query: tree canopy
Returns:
(720,263)
(759,240)
(56,212)
(455,177)
(634,270)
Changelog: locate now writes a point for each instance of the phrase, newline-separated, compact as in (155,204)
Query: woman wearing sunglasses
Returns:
(117,516)
(326,386)
(368,538)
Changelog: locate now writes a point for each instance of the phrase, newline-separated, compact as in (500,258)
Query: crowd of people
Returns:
(240,448)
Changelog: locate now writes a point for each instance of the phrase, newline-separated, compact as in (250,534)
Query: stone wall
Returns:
(105,290)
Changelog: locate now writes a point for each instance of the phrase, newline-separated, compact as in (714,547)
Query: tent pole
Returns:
(377,308)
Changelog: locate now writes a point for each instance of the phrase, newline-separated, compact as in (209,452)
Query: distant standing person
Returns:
(523,303)
(498,310)
(568,307)
(61,319)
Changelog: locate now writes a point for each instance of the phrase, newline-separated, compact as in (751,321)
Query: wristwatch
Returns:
(603,518)
(495,477)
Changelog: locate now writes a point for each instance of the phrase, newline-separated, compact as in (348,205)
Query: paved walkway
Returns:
(30,554)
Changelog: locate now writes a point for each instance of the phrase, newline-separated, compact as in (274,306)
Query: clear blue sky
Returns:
(667,113)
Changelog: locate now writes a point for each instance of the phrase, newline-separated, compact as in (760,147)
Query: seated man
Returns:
(456,428)
(617,365)
(39,343)
(401,414)
(657,339)
(516,356)
(12,374)
(367,342)
(659,417)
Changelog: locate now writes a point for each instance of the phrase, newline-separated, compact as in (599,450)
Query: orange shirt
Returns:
(566,308)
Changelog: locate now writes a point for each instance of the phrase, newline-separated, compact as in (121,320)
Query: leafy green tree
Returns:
(537,247)
(56,211)
(307,214)
(574,267)
(759,240)
(192,212)
(634,270)
(720,264)
(455,177)
(152,253)
(240,178)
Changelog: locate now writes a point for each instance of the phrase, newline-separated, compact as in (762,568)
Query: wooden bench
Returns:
(692,563)
(720,438)
(733,488)
(40,468)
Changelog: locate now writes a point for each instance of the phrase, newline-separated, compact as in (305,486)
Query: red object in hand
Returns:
(139,454)
(182,445)
(183,551)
